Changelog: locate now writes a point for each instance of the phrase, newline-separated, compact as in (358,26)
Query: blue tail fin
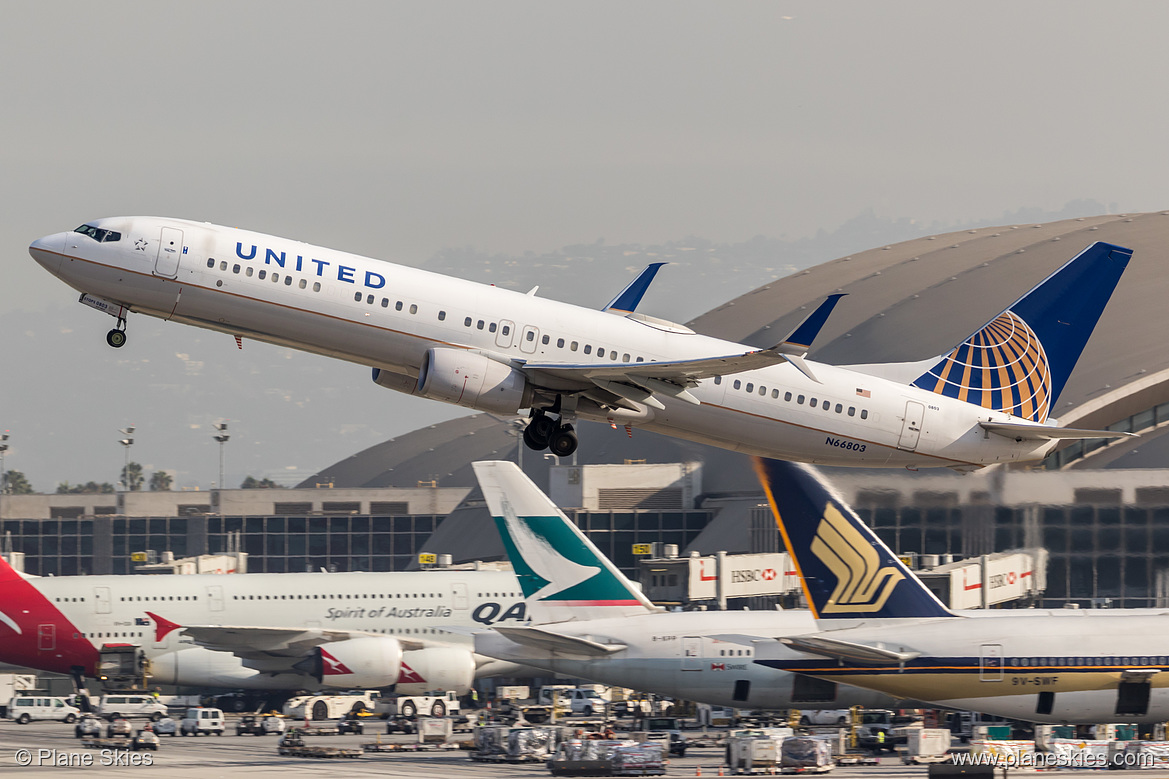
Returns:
(563,575)
(846,571)
(628,299)
(1019,361)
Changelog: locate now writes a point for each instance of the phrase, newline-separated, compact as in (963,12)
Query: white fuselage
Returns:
(678,654)
(109,610)
(388,316)
(1058,666)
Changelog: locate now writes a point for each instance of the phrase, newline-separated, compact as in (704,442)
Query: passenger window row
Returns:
(751,388)
(263,274)
(491,327)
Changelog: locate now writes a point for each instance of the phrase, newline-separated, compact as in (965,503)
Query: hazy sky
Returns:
(400,129)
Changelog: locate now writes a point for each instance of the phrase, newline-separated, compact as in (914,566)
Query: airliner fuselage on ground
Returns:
(881,628)
(590,621)
(263,631)
(496,350)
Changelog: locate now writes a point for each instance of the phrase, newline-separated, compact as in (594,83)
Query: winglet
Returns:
(628,299)
(806,332)
(563,575)
(846,571)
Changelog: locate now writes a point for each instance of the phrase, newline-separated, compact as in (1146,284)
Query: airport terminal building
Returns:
(1099,508)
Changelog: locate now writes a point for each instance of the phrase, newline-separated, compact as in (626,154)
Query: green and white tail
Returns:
(563,575)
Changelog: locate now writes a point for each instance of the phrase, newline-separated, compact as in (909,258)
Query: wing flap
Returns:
(848,651)
(547,640)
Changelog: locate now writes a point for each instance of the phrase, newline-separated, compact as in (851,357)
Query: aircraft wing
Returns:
(1022,431)
(549,640)
(639,381)
(848,651)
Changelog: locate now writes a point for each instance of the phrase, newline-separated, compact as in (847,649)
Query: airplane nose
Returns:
(47,251)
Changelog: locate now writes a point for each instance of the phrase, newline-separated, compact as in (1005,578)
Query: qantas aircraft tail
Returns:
(563,575)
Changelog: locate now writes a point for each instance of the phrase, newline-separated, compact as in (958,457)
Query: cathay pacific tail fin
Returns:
(563,575)
(847,572)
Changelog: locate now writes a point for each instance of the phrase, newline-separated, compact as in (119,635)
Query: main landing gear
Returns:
(544,432)
(117,337)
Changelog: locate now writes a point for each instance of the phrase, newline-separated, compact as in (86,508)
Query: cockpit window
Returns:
(98,234)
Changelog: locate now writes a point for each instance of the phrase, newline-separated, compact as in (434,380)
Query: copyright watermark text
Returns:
(62,759)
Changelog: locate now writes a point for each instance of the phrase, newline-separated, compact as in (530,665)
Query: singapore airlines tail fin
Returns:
(563,576)
(846,571)
(1019,361)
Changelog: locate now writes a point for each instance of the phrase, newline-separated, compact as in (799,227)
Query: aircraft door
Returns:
(505,333)
(215,597)
(990,663)
(529,338)
(170,250)
(101,600)
(691,653)
(459,596)
(47,637)
(911,430)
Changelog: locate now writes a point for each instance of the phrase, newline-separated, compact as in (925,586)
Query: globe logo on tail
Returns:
(862,583)
(1002,367)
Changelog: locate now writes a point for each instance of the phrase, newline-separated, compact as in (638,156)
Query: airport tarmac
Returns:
(45,744)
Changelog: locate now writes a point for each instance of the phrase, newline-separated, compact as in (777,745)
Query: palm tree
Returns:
(160,481)
(15,483)
(132,477)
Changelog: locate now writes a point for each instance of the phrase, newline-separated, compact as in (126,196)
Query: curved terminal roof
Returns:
(907,301)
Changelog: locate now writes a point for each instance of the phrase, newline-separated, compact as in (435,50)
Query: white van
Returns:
(25,708)
(202,720)
(125,706)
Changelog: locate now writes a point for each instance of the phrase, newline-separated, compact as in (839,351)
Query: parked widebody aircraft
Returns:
(986,401)
(280,631)
(590,621)
(881,628)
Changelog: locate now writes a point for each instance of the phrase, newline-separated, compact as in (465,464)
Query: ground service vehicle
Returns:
(202,720)
(322,707)
(119,727)
(127,706)
(26,708)
(437,705)
(88,726)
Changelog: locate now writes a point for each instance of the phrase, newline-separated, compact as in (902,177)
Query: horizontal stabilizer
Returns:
(847,650)
(1021,431)
(538,638)
(628,299)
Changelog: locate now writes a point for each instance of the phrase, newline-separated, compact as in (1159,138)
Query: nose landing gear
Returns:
(117,337)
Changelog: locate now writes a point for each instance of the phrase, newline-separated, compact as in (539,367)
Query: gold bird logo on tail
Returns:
(862,585)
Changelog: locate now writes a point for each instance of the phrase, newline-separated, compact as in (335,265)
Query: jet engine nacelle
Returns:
(440,668)
(365,663)
(472,380)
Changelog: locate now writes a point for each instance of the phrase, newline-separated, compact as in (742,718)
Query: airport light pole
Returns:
(3,473)
(222,437)
(126,443)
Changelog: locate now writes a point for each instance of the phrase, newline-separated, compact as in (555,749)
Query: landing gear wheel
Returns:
(534,442)
(116,338)
(564,442)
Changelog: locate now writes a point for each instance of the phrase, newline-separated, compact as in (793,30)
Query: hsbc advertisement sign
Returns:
(742,576)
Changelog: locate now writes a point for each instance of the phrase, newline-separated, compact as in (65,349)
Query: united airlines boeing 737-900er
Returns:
(986,401)
(281,631)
